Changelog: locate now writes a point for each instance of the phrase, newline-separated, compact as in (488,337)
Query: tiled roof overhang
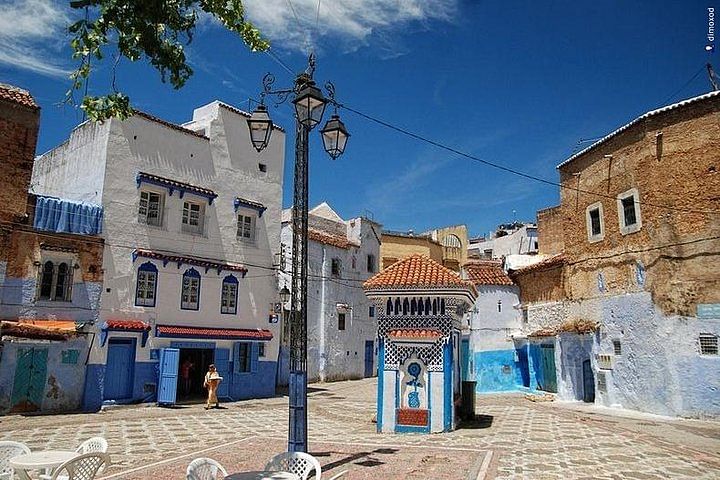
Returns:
(218,333)
(187,260)
(40,329)
(552,262)
(330,239)
(18,96)
(242,202)
(639,119)
(486,273)
(173,185)
(137,326)
(428,333)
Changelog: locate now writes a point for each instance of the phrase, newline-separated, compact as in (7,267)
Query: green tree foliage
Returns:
(153,30)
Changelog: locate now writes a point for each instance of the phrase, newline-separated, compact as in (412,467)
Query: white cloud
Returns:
(31,34)
(352,22)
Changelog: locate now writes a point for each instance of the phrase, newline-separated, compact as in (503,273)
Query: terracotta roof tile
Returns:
(487,273)
(185,259)
(415,333)
(40,329)
(170,183)
(554,261)
(417,271)
(17,95)
(330,239)
(129,325)
(234,333)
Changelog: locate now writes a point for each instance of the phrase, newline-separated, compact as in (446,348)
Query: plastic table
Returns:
(46,460)
(262,475)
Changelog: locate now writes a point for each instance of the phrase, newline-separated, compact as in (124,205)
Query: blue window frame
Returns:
(146,288)
(229,295)
(190,295)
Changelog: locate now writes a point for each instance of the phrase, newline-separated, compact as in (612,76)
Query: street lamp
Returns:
(310,104)
(284,294)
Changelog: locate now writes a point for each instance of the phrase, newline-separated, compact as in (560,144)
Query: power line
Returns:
(672,95)
(508,169)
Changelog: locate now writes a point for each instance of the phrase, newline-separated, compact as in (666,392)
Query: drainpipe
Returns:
(321,343)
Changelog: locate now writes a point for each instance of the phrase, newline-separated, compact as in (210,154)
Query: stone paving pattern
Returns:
(527,440)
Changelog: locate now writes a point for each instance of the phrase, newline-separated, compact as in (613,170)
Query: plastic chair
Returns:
(82,467)
(205,469)
(341,474)
(93,445)
(9,450)
(301,464)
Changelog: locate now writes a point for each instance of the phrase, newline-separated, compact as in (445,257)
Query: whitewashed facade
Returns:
(518,239)
(189,211)
(341,320)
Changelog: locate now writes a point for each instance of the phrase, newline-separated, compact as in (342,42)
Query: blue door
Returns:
(119,369)
(222,365)
(466,374)
(167,388)
(369,350)
(588,382)
(30,376)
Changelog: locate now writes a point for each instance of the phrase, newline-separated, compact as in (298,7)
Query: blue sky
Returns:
(516,83)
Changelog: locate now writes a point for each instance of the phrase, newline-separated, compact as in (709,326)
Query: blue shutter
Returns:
(222,365)
(167,390)
(236,357)
(254,352)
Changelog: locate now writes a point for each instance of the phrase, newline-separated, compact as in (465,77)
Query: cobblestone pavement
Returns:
(512,438)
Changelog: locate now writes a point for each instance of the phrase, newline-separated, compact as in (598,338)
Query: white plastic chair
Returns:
(205,469)
(9,450)
(341,474)
(82,467)
(301,464)
(93,445)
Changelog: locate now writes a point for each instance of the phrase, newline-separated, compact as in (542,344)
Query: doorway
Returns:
(588,382)
(29,383)
(194,363)
(119,369)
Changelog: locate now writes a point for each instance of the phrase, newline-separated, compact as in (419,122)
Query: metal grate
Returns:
(602,382)
(617,347)
(708,344)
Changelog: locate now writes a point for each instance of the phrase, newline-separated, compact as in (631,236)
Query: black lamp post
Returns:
(309,105)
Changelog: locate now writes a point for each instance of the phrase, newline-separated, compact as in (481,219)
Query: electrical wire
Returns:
(672,95)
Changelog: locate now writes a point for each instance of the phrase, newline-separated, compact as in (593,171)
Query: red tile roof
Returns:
(415,333)
(487,273)
(129,325)
(40,329)
(184,259)
(417,271)
(17,95)
(330,239)
(234,333)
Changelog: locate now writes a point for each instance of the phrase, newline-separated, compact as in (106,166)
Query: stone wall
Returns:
(394,248)
(18,135)
(550,231)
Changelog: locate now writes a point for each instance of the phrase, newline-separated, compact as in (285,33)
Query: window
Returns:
(708,344)
(335,267)
(151,208)
(261,350)
(371,263)
(499,306)
(262,167)
(228,299)
(594,222)
(56,281)
(246,228)
(243,358)
(371,310)
(146,285)
(629,211)
(488,253)
(190,298)
(341,321)
(192,218)
(617,348)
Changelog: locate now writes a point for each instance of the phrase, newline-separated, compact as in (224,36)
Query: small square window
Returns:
(246,228)
(371,311)
(594,222)
(262,167)
(193,218)
(371,263)
(628,204)
(341,321)
(261,350)
(335,267)
(617,348)
(708,344)
(242,360)
(150,211)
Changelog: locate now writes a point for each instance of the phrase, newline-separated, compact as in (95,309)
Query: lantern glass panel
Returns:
(310,106)
(260,127)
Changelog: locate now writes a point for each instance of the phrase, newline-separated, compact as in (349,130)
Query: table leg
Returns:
(22,475)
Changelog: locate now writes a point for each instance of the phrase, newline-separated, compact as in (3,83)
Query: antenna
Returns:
(712,76)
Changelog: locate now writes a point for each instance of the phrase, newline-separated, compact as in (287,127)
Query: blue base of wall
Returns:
(497,371)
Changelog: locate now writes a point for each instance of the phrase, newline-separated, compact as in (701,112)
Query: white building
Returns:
(191,227)
(512,239)
(497,362)
(341,320)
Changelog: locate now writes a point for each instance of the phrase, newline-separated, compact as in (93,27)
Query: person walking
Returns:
(212,380)
(185,370)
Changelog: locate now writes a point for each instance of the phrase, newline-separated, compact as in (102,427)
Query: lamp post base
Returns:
(297,433)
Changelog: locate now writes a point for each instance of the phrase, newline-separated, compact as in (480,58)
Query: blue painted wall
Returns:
(17,299)
(145,373)
(489,372)
(260,384)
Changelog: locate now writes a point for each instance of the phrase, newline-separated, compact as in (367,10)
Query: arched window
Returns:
(413,306)
(397,306)
(406,306)
(190,296)
(420,306)
(228,300)
(388,307)
(428,306)
(434,306)
(146,288)
(452,241)
(56,281)
(442,306)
